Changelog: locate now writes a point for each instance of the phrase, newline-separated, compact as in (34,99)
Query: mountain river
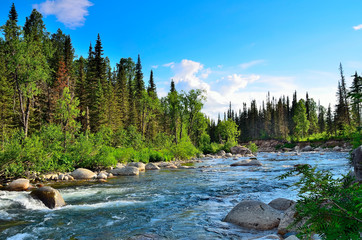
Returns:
(173,204)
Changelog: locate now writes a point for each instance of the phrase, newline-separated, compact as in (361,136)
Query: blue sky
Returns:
(235,50)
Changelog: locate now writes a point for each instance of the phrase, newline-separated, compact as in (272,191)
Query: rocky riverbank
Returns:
(284,146)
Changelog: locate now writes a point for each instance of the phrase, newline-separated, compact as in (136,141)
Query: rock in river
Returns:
(254,215)
(82,173)
(281,204)
(240,150)
(151,166)
(49,196)
(249,162)
(139,165)
(126,171)
(20,184)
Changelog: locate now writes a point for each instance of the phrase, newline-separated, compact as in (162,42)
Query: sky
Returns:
(236,50)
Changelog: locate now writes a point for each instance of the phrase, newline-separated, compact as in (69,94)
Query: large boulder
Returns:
(240,150)
(151,166)
(357,163)
(281,204)
(248,162)
(307,149)
(167,165)
(20,184)
(82,173)
(126,171)
(254,215)
(49,196)
(139,165)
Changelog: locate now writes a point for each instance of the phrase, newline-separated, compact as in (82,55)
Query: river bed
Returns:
(174,204)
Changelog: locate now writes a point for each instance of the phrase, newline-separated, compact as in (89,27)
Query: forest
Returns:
(59,112)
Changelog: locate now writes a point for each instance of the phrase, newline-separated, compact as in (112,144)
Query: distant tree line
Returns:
(296,119)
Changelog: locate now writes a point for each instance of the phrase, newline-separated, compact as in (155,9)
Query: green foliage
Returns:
(228,131)
(228,145)
(329,207)
(185,149)
(300,120)
(253,148)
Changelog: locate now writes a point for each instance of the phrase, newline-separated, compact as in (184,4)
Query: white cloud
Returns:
(251,64)
(155,66)
(358,27)
(171,64)
(69,12)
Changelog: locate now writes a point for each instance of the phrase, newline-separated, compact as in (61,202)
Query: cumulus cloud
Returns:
(358,27)
(251,64)
(71,13)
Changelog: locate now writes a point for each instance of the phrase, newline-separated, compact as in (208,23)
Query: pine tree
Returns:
(300,119)
(321,118)
(151,90)
(329,121)
(355,94)
(81,91)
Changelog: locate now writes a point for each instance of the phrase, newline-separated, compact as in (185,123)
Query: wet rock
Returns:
(292,237)
(109,175)
(70,178)
(61,177)
(337,149)
(240,150)
(167,165)
(139,165)
(82,173)
(281,204)
(229,155)
(126,171)
(49,196)
(151,166)
(269,237)
(20,184)
(254,215)
(248,162)
(202,155)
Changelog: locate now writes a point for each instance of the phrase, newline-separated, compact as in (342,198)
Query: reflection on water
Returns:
(174,204)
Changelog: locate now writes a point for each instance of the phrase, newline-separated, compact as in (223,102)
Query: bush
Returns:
(252,147)
(228,145)
(185,149)
(331,207)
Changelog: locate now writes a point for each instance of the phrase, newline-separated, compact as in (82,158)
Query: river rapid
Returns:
(174,204)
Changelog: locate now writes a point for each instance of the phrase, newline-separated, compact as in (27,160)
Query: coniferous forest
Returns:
(59,112)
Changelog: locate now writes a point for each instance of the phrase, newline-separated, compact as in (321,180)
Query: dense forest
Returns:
(58,112)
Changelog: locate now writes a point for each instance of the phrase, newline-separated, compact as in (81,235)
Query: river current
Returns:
(173,204)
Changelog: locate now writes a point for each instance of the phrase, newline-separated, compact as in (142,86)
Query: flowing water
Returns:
(174,204)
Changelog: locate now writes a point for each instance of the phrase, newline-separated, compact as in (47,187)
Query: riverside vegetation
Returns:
(58,113)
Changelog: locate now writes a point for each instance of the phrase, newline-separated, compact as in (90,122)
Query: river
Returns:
(174,204)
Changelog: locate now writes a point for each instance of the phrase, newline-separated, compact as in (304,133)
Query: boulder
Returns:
(307,149)
(82,173)
(120,165)
(292,237)
(167,165)
(287,219)
(357,163)
(269,237)
(151,166)
(221,153)
(49,196)
(281,204)
(240,150)
(254,215)
(102,175)
(248,162)
(20,184)
(229,155)
(139,165)
(337,149)
(126,171)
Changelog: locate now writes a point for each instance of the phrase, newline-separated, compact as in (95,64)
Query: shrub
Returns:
(252,147)
(228,145)
(331,207)
(185,149)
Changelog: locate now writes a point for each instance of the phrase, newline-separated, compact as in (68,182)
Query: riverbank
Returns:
(169,203)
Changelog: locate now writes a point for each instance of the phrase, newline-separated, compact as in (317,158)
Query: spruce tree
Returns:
(355,94)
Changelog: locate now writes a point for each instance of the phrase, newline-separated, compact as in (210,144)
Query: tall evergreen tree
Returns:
(355,94)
